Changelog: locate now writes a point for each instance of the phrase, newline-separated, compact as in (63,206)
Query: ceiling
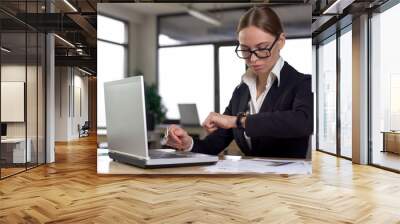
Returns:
(173,8)
(326,24)
(187,29)
(80,27)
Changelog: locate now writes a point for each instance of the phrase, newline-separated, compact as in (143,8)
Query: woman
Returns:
(271,111)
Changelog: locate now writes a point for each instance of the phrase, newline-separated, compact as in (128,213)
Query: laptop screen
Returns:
(125,116)
(189,115)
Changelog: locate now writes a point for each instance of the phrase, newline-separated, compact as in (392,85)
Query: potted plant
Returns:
(155,110)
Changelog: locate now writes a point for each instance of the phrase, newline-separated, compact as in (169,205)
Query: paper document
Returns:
(261,166)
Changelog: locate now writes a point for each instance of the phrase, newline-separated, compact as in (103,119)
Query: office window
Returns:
(186,75)
(231,69)
(385,87)
(327,96)
(346,93)
(298,53)
(111,58)
(111,30)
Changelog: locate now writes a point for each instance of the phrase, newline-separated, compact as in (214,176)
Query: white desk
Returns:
(227,165)
(18,149)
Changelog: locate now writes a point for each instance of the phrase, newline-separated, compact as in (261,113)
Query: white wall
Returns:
(12,73)
(61,103)
(80,83)
(68,81)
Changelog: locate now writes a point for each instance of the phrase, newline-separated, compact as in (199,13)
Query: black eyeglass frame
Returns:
(257,49)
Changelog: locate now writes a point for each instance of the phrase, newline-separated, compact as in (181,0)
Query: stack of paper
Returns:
(261,166)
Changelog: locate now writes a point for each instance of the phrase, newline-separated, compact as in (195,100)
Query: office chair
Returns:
(84,130)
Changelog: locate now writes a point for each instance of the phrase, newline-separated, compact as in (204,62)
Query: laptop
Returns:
(189,115)
(127,134)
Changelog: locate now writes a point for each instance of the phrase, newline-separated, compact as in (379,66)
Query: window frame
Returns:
(40,60)
(126,47)
(332,36)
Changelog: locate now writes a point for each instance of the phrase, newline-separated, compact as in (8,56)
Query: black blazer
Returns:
(281,128)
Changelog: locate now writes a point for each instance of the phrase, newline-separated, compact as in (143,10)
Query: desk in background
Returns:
(13,150)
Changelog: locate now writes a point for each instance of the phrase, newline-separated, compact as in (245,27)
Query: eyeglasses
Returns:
(259,52)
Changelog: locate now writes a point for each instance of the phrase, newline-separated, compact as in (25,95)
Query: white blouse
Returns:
(250,79)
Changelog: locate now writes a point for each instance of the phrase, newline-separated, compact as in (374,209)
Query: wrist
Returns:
(188,143)
(233,121)
(240,120)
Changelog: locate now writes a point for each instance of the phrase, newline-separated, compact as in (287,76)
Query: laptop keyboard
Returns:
(167,155)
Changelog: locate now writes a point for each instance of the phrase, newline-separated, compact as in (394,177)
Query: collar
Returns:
(250,78)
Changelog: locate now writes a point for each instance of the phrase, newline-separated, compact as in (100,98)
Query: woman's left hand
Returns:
(216,120)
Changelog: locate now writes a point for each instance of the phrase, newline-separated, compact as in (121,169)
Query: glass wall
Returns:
(22,88)
(327,95)
(14,150)
(385,88)
(346,92)
(334,82)
(31,101)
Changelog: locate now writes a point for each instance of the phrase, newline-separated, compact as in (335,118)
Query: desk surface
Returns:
(13,140)
(106,166)
(391,132)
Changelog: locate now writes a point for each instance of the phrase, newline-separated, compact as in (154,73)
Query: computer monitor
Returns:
(189,114)
(3,129)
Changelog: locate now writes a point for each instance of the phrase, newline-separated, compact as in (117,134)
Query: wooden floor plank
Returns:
(70,191)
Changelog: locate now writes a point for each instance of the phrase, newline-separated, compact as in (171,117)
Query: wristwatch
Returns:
(239,117)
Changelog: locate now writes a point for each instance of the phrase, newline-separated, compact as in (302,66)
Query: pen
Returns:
(165,139)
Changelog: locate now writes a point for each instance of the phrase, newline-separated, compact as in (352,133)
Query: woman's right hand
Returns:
(178,138)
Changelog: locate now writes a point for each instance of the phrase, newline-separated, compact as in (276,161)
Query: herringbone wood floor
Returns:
(70,191)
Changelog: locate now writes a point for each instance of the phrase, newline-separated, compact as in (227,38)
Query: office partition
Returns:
(22,77)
